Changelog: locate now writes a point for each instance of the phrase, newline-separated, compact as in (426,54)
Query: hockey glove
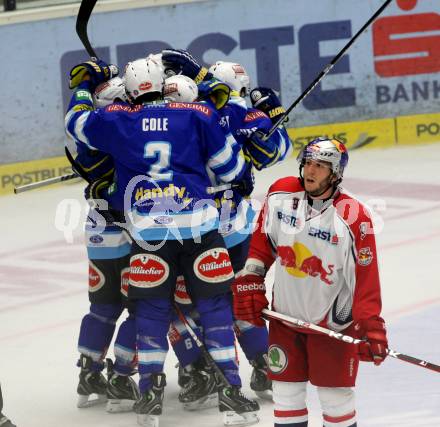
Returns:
(262,153)
(267,101)
(246,184)
(249,298)
(98,190)
(375,349)
(215,91)
(97,72)
(182,62)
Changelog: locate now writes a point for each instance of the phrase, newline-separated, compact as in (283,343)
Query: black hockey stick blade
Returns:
(85,10)
(315,82)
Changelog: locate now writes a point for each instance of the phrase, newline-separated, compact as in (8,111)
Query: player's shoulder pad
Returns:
(288,184)
(353,212)
(201,108)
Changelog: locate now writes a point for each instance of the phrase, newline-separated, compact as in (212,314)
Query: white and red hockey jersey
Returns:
(326,268)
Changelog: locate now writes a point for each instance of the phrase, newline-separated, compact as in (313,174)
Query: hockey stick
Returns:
(218,188)
(220,376)
(269,314)
(44,182)
(84,13)
(321,75)
(77,168)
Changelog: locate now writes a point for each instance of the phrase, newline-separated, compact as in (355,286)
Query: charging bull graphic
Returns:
(300,262)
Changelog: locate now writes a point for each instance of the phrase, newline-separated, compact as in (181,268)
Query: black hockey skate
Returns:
(200,392)
(122,391)
(149,406)
(260,384)
(237,408)
(5,421)
(183,376)
(90,383)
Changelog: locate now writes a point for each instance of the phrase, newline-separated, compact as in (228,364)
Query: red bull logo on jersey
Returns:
(365,256)
(300,262)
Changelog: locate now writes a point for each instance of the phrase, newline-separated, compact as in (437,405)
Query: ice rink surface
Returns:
(43,296)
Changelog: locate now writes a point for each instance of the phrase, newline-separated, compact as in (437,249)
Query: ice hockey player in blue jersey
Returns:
(162,152)
(108,249)
(245,124)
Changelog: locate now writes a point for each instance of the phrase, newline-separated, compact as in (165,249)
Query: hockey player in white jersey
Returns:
(321,240)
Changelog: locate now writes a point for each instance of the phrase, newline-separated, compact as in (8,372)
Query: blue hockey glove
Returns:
(267,101)
(262,153)
(97,72)
(215,91)
(182,62)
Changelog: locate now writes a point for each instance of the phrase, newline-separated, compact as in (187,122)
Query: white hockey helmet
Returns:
(110,91)
(180,88)
(157,57)
(233,74)
(143,76)
(327,150)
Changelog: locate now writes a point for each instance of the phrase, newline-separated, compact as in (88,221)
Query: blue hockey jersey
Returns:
(162,152)
(236,212)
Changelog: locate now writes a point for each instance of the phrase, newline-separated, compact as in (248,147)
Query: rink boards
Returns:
(381,133)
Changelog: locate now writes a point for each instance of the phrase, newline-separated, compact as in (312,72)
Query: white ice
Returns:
(43,296)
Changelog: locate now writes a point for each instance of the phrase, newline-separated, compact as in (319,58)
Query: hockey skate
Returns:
(122,391)
(149,406)
(260,384)
(5,421)
(238,409)
(90,383)
(200,392)
(183,376)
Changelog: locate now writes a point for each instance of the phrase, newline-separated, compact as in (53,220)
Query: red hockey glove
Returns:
(249,298)
(375,349)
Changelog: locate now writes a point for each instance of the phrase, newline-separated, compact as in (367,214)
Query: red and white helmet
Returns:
(233,74)
(180,88)
(110,91)
(143,76)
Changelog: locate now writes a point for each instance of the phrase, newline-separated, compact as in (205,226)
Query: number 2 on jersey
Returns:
(160,169)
